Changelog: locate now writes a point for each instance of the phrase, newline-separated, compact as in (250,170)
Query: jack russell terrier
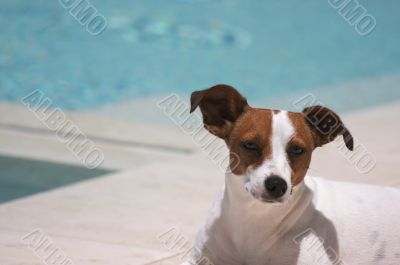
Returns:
(270,212)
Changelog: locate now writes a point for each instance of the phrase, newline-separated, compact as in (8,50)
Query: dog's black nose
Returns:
(276,186)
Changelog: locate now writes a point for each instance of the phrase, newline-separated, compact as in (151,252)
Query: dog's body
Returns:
(269,212)
(325,222)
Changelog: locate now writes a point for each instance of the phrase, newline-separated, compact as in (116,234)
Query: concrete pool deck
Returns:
(124,144)
(127,217)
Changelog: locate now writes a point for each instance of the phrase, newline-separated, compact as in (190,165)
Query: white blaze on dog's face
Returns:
(271,179)
(270,149)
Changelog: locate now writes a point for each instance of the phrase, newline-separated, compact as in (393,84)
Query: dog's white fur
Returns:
(321,222)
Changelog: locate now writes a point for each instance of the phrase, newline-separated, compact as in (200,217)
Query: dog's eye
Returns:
(296,150)
(251,146)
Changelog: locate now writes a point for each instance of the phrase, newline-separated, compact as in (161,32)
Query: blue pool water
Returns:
(22,177)
(150,47)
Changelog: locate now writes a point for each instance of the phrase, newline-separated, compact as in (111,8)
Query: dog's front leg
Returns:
(205,250)
(198,254)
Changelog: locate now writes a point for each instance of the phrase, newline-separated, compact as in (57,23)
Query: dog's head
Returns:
(269,149)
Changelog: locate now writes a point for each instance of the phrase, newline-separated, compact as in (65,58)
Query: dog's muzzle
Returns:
(275,187)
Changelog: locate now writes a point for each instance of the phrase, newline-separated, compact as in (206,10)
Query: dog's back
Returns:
(352,224)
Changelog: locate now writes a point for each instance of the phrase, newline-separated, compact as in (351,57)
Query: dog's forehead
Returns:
(253,123)
(259,118)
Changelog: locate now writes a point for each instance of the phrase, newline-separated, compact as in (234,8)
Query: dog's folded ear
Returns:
(220,105)
(326,125)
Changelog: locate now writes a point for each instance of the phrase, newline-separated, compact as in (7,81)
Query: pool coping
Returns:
(126,144)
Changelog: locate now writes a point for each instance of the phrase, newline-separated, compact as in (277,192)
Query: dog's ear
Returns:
(220,105)
(326,125)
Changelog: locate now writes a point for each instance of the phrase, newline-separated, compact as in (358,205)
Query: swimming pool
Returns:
(150,47)
(23,177)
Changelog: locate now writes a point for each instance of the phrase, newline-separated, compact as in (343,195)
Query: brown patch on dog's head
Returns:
(303,139)
(254,129)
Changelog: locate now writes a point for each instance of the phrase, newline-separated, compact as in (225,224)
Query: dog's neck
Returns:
(241,210)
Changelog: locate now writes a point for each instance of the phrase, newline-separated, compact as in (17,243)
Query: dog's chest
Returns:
(254,245)
(249,234)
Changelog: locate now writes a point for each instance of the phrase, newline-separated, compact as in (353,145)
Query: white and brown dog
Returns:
(270,212)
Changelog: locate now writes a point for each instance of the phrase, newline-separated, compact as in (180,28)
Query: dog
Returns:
(270,212)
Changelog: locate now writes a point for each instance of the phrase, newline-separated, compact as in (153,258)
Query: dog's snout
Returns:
(275,186)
